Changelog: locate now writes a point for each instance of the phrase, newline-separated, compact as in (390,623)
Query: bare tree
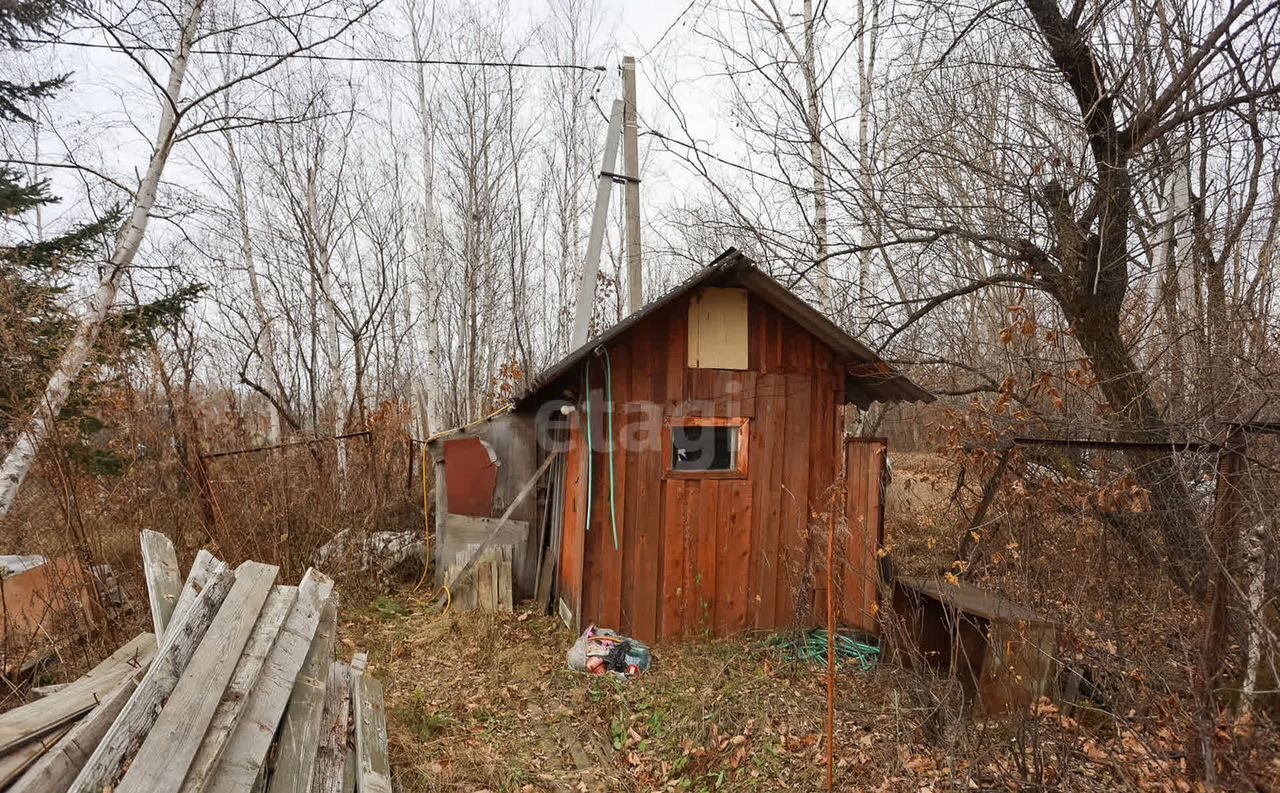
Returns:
(180,119)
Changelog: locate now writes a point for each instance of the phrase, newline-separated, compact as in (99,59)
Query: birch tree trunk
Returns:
(430,398)
(265,344)
(1255,573)
(17,463)
(870,236)
(324,263)
(818,164)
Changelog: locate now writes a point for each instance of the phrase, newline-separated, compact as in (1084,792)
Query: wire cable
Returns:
(672,27)
(315,56)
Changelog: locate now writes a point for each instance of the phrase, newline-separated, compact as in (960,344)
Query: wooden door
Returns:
(864,512)
(706,552)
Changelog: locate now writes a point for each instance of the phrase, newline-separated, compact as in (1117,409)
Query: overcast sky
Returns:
(107,114)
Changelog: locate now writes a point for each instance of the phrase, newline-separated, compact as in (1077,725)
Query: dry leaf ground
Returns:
(482,701)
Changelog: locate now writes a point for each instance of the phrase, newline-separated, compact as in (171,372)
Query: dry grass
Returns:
(485,702)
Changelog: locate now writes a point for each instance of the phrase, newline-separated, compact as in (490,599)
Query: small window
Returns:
(714,448)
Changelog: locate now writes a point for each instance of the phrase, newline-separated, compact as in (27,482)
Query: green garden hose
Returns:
(812,648)
(608,397)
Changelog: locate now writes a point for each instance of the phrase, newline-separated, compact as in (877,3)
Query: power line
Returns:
(729,163)
(670,28)
(313,56)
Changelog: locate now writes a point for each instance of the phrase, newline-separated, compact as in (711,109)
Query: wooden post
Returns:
(631,163)
(591,267)
(164,582)
(831,621)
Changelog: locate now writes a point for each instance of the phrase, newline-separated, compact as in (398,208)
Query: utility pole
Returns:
(631,157)
(591,267)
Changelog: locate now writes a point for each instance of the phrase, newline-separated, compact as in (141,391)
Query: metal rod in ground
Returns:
(831,653)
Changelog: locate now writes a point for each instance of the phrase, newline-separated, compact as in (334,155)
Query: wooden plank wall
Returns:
(859,584)
(572,568)
(711,556)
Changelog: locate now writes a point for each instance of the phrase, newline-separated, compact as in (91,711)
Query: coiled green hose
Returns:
(812,648)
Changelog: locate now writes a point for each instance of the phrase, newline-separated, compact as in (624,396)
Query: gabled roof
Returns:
(872,379)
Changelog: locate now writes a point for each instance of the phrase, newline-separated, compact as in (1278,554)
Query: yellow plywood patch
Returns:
(718,329)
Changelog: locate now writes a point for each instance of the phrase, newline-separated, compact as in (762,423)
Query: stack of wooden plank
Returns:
(239,692)
(480,578)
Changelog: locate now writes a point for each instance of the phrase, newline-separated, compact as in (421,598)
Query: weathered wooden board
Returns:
(644,495)
(44,691)
(20,759)
(718,329)
(58,767)
(349,772)
(172,742)
(573,527)
(183,636)
(674,508)
(335,725)
(202,569)
(864,516)
(295,668)
(236,698)
(486,587)
(467,529)
(767,479)
(373,772)
(487,584)
(543,593)
(505,595)
(164,581)
(24,723)
(622,552)
(797,462)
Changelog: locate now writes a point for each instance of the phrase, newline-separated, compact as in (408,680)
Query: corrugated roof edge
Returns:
(886,384)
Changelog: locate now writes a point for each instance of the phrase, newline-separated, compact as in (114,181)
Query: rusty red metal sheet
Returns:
(35,598)
(471,474)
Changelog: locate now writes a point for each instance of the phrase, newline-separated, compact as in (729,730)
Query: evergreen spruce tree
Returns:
(35,318)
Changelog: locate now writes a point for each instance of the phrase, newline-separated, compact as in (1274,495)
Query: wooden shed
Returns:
(701,454)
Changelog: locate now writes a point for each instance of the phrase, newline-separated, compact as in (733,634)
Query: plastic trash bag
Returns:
(601,651)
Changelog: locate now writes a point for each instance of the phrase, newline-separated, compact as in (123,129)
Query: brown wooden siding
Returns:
(708,555)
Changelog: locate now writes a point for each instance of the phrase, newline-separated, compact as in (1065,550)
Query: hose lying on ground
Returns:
(812,648)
